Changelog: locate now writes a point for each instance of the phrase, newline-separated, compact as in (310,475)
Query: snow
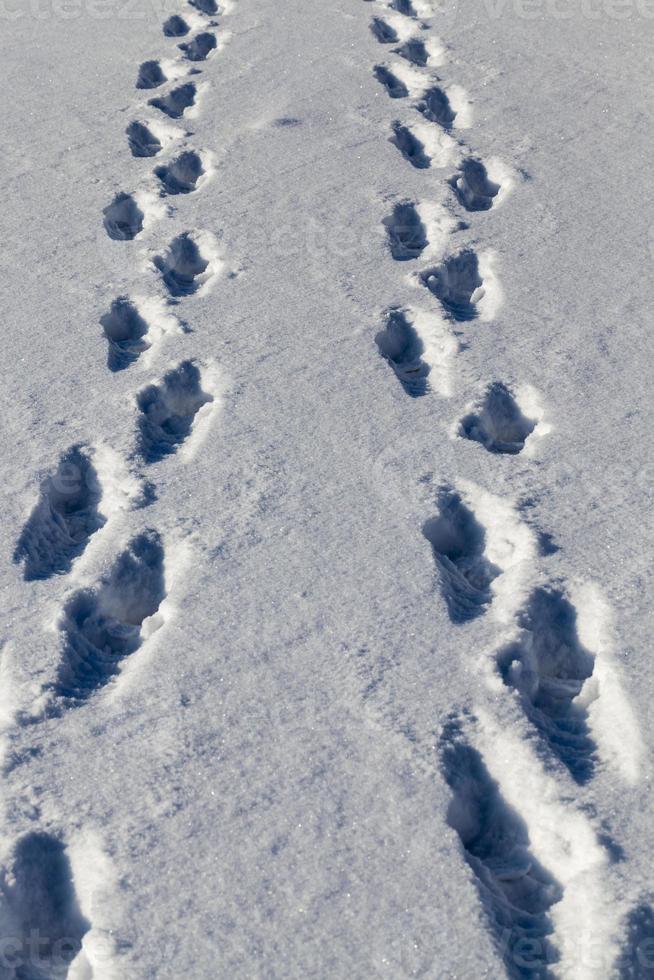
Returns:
(326,638)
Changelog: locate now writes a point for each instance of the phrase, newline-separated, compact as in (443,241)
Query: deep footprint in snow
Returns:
(473,187)
(142,142)
(636,961)
(401,346)
(403,7)
(150,75)
(395,88)
(436,107)
(410,146)
(101,626)
(63,520)
(384,33)
(182,174)
(414,51)
(167,411)
(547,665)
(123,218)
(176,26)
(176,102)
(516,892)
(125,330)
(497,422)
(39,891)
(200,47)
(457,284)
(458,543)
(407,235)
(182,267)
(209,7)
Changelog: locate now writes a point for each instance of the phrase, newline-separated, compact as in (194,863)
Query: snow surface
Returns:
(328,490)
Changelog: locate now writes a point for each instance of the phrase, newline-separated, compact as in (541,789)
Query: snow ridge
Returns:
(536,857)
(104,621)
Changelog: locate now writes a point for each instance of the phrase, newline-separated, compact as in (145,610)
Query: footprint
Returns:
(548,667)
(63,520)
(395,88)
(457,284)
(436,107)
(133,326)
(497,422)
(200,47)
(184,268)
(150,75)
(400,344)
(182,174)
(407,235)
(403,7)
(410,146)
(516,891)
(167,411)
(176,103)
(636,960)
(123,218)
(473,187)
(48,925)
(384,33)
(176,26)
(103,625)
(209,7)
(142,142)
(458,543)
(125,330)
(415,51)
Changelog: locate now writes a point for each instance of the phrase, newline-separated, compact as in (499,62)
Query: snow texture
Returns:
(326,645)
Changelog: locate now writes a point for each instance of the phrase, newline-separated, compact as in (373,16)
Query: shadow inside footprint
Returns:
(142,142)
(101,626)
(458,543)
(436,107)
(401,346)
(167,411)
(176,26)
(182,266)
(384,33)
(182,174)
(63,520)
(636,960)
(414,51)
(125,330)
(497,423)
(200,47)
(457,284)
(209,7)
(150,75)
(472,186)
(123,219)
(410,147)
(176,102)
(516,891)
(407,235)
(395,88)
(548,667)
(40,893)
(404,7)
